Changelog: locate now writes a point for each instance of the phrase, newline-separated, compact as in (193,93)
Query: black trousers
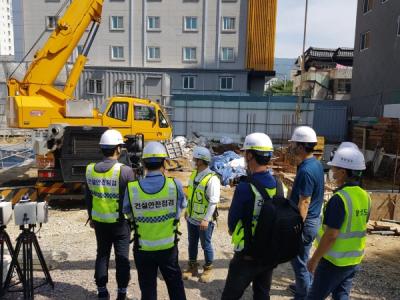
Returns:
(108,235)
(147,265)
(241,273)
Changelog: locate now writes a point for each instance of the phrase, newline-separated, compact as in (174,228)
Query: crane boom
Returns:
(50,60)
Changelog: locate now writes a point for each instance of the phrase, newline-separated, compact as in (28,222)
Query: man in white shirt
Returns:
(203,197)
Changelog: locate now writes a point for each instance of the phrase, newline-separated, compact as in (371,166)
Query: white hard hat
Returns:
(348,145)
(202,153)
(154,150)
(348,158)
(304,134)
(259,142)
(111,138)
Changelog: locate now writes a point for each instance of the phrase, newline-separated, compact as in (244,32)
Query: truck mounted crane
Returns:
(73,126)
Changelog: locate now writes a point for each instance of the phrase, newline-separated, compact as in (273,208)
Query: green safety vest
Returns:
(348,249)
(105,193)
(154,216)
(238,234)
(197,198)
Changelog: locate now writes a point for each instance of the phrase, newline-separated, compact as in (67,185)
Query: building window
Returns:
(125,87)
(116,23)
(95,86)
(189,54)
(153,24)
(227,54)
(368,4)
(189,82)
(228,24)
(226,83)
(119,111)
(190,24)
(51,22)
(117,52)
(365,40)
(344,86)
(398,26)
(153,53)
(144,113)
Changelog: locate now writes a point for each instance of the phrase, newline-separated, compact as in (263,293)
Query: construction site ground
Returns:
(73,248)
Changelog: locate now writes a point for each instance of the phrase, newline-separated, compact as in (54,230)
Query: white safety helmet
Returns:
(154,150)
(202,153)
(111,138)
(258,142)
(304,134)
(348,158)
(348,145)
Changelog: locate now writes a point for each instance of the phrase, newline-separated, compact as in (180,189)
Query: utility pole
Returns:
(300,99)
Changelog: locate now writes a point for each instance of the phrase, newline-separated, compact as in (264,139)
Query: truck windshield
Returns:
(103,106)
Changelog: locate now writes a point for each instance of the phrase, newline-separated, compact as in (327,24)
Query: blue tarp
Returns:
(220,165)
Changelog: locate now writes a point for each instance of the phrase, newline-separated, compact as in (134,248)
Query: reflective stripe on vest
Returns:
(197,198)
(238,234)
(349,246)
(154,215)
(105,193)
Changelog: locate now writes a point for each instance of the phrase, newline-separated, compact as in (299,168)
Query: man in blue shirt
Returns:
(156,202)
(308,194)
(243,269)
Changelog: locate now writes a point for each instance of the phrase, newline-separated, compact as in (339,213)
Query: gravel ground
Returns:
(73,277)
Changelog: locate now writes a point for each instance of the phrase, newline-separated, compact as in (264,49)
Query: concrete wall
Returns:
(375,71)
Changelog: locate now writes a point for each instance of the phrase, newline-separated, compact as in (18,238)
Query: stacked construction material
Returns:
(385,133)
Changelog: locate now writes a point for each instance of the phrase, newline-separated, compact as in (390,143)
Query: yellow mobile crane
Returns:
(73,126)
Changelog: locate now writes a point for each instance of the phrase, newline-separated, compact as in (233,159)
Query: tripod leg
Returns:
(11,251)
(14,262)
(2,237)
(25,266)
(42,262)
(30,266)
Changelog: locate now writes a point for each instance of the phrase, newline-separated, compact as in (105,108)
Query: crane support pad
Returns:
(14,194)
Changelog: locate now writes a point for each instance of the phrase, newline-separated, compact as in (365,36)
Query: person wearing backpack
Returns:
(307,193)
(341,238)
(203,198)
(245,207)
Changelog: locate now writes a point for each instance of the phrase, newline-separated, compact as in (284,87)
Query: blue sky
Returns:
(331,24)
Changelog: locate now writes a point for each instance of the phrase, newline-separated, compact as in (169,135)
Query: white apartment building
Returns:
(6,28)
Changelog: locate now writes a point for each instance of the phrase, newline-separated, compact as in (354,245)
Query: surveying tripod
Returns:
(27,240)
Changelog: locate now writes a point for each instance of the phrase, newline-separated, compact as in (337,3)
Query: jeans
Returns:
(194,234)
(329,279)
(108,235)
(299,263)
(147,265)
(241,273)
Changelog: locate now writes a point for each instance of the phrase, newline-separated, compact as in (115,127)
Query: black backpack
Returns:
(278,234)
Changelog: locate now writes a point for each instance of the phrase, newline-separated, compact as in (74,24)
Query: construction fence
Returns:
(237,116)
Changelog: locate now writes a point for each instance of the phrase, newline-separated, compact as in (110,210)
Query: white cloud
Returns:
(331,24)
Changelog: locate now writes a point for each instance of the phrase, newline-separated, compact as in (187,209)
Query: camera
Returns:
(30,213)
(5,212)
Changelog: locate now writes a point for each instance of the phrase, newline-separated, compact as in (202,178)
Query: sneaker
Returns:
(292,288)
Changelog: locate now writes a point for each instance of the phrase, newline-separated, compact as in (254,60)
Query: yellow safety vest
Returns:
(348,249)
(105,193)
(154,216)
(238,234)
(197,198)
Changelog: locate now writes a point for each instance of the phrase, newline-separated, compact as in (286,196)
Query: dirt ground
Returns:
(65,232)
